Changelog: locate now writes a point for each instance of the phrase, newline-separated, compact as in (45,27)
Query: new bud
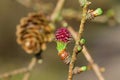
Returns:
(98,12)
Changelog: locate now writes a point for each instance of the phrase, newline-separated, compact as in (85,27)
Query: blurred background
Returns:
(103,42)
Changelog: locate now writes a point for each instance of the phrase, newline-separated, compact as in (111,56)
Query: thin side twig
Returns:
(25,70)
(74,55)
(73,14)
(91,61)
(30,68)
(15,72)
(88,57)
(57,10)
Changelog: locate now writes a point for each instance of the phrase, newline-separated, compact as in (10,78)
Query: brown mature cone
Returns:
(33,32)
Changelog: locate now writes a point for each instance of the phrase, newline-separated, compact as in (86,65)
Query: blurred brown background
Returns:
(103,43)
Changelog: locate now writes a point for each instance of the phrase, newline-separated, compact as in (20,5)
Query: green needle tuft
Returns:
(61,46)
(79,48)
(82,41)
(84,68)
(98,11)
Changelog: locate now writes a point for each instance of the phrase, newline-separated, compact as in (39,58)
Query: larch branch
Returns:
(88,57)
(74,55)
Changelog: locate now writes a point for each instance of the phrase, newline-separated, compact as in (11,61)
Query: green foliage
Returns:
(84,68)
(98,11)
(82,41)
(79,48)
(61,46)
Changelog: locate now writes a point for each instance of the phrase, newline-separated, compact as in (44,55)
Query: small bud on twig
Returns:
(82,41)
(91,14)
(78,70)
(98,12)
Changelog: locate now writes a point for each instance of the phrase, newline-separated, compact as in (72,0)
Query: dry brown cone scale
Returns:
(33,32)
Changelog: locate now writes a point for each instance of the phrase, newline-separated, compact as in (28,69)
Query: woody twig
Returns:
(88,57)
(75,50)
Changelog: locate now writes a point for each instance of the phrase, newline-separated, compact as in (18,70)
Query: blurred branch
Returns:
(36,5)
(15,72)
(57,10)
(26,3)
(30,68)
(93,64)
(88,57)
(25,70)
